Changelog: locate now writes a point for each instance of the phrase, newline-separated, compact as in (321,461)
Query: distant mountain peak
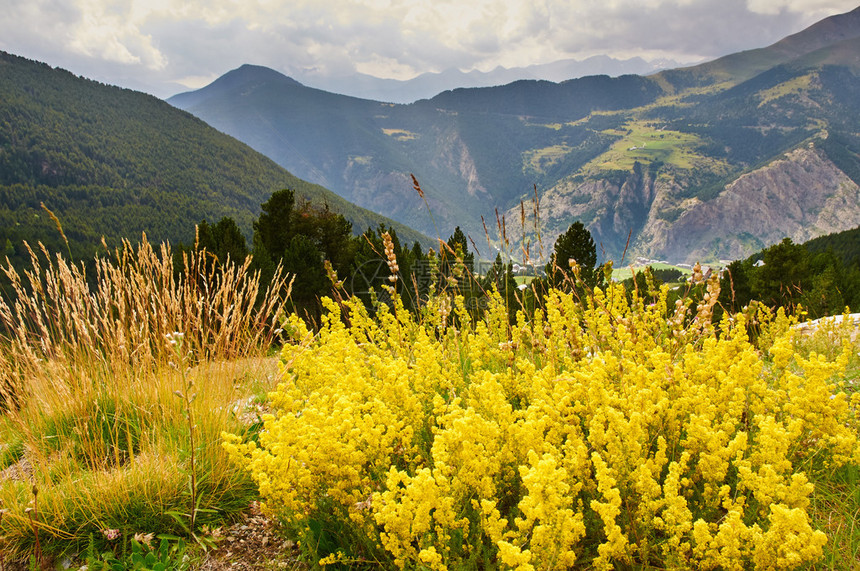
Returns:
(258,72)
(251,74)
(741,66)
(242,77)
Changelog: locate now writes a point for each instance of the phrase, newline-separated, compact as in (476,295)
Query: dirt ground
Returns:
(251,544)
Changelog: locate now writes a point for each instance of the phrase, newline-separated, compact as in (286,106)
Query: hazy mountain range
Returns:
(704,162)
(712,161)
(427,85)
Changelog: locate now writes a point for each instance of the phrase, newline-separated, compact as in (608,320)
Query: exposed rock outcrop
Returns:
(801,196)
(612,208)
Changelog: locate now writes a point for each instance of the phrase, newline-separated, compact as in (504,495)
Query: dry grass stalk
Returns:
(390,257)
(487,234)
(417,187)
(526,246)
(59,227)
(89,364)
(537,224)
(475,246)
(54,318)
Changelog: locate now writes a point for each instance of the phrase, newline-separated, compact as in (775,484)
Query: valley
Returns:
(267,326)
(645,157)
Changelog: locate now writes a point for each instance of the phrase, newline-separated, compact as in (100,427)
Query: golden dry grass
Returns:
(93,435)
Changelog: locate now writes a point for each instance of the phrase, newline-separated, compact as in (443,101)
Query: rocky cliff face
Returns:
(454,158)
(613,208)
(801,196)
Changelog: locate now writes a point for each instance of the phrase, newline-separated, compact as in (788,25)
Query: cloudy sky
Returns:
(167,46)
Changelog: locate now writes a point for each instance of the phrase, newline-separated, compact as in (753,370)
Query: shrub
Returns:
(607,434)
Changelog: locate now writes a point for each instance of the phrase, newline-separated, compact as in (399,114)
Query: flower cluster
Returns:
(606,434)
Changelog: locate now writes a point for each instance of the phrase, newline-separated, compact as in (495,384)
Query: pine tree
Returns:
(578,245)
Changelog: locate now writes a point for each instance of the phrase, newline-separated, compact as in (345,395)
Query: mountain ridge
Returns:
(690,132)
(429,84)
(746,64)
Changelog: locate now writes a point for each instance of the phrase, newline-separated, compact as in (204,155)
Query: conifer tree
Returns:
(578,245)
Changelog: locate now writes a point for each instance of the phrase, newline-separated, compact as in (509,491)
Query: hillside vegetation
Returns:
(598,427)
(845,245)
(821,276)
(116,163)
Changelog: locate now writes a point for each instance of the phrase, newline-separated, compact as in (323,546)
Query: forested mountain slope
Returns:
(844,245)
(115,163)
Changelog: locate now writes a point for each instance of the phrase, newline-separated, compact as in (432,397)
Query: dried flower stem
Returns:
(59,227)
(420,192)
(33,514)
(188,397)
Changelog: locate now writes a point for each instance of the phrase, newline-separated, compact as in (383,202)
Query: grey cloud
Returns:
(337,37)
(708,28)
(37,29)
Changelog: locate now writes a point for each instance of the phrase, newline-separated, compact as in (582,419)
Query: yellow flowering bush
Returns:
(615,432)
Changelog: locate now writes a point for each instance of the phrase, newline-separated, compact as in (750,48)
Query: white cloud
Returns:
(196,81)
(162,41)
(816,9)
